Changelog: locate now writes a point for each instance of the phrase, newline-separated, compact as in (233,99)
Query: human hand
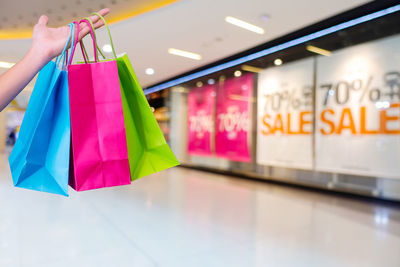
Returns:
(48,43)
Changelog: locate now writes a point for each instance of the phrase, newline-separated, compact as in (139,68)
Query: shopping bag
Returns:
(148,152)
(99,150)
(40,157)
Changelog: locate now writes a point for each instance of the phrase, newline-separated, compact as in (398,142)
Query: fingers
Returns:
(103,12)
(97,23)
(84,29)
(43,20)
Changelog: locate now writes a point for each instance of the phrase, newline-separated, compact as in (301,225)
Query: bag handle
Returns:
(88,22)
(68,59)
(75,42)
(61,57)
(108,31)
(70,39)
(97,47)
(109,35)
(91,27)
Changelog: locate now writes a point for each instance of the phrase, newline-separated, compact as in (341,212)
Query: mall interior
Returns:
(283,119)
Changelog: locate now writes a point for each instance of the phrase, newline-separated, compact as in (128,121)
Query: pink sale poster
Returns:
(233,119)
(200,120)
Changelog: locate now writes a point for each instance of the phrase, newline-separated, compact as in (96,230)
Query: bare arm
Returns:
(47,43)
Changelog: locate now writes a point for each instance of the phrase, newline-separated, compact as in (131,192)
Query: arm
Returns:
(15,79)
(47,43)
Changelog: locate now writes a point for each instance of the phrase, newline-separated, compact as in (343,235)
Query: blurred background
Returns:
(285,116)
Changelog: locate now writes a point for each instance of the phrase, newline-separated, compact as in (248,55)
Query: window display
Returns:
(358,110)
(284,122)
(201,102)
(232,138)
(327,119)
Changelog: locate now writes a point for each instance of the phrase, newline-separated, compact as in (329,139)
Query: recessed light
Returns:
(244,25)
(107,48)
(199,84)
(278,62)
(274,49)
(183,53)
(149,71)
(6,65)
(179,89)
(211,81)
(318,50)
(251,69)
(237,73)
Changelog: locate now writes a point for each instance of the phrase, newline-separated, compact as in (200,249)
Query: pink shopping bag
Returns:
(99,156)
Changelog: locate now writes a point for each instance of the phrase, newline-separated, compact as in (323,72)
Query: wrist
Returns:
(40,55)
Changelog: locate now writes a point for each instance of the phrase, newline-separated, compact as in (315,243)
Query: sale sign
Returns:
(284,115)
(201,103)
(358,110)
(232,118)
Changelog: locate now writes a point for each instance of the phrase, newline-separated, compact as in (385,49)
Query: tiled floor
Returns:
(187,218)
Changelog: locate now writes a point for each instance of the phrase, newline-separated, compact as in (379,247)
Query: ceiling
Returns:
(18,17)
(193,25)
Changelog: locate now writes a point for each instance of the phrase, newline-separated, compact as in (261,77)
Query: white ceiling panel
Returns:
(199,26)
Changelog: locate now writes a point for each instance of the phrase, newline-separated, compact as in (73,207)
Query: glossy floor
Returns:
(187,218)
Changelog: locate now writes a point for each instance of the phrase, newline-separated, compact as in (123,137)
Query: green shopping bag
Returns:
(148,152)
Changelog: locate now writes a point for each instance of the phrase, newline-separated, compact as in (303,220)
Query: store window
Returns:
(323,113)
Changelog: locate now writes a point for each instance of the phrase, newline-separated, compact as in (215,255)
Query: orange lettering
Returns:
(363,123)
(385,118)
(264,121)
(289,129)
(346,112)
(330,123)
(278,125)
(304,122)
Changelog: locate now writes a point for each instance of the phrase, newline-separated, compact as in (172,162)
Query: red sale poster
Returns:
(232,118)
(200,120)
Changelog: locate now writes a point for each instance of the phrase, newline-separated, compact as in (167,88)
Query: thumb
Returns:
(43,20)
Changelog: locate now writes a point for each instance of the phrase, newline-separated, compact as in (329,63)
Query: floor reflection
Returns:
(183,217)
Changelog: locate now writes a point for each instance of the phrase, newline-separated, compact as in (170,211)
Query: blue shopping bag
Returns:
(40,157)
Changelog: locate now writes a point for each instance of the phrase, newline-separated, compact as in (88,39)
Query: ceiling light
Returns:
(251,69)
(182,53)
(149,71)
(179,89)
(107,48)
(318,50)
(211,81)
(244,25)
(6,65)
(237,73)
(278,62)
(270,50)
(199,84)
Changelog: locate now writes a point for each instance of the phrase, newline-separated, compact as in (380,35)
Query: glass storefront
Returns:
(324,113)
